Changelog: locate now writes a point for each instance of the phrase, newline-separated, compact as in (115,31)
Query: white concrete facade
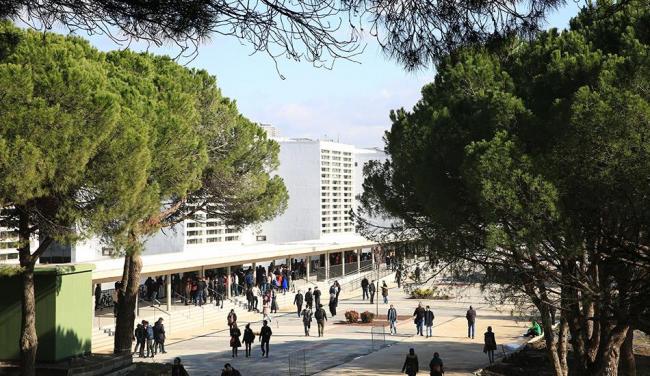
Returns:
(322,178)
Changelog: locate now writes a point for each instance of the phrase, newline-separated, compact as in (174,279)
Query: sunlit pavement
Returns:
(348,350)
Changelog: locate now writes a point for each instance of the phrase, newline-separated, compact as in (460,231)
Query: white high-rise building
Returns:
(323,178)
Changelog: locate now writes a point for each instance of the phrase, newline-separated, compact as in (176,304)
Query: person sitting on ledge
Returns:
(178,369)
(534,330)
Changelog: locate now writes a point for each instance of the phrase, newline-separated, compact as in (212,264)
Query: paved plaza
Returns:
(350,350)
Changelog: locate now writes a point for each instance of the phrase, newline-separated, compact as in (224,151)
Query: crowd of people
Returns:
(151,337)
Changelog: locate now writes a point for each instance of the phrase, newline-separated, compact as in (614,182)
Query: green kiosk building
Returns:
(64,312)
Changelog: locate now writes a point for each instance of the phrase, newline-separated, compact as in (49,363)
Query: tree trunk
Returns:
(126,308)
(607,362)
(562,349)
(627,366)
(28,338)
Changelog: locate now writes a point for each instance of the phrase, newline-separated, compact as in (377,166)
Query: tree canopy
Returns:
(531,161)
(118,145)
(414,33)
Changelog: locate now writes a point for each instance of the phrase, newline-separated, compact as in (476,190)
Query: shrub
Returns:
(421,293)
(352,316)
(367,317)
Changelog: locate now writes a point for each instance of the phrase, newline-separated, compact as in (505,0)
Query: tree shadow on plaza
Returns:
(303,357)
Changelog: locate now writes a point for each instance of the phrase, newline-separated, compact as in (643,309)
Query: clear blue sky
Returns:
(350,102)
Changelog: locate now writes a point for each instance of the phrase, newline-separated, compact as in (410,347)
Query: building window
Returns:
(107,251)
(195,233)
(232,238)
(213,240)
(194,241)
(217,231)
(260,238)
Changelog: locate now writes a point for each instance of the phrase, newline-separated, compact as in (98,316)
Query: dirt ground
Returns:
(533,360)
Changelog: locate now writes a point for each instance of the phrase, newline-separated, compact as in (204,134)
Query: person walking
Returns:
(140,338)
(392,319)
(418,319)
(159,336)
(306,320)
(266,308)
(428,321)
(471,322)
(417,274)
(274,302)
(398,277)
(435,366)
(265,338)
(297,301)
(490,344)
(364,288)
(150,338)
(249,338)
(178,369)
(321,317)
(411,364)
(384,292)
(232,318)
(317,296)
(332,304)
(371,292)
(309,298)
(235,343)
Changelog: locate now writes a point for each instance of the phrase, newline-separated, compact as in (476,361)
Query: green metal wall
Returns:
(63,312)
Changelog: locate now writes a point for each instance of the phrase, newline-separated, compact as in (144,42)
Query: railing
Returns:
(377,337)
(169,315)
(298,363)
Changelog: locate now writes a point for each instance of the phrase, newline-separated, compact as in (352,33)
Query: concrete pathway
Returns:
(350,350)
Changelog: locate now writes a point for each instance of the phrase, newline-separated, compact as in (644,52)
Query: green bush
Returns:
(352,316)
(367,317)
(421,293)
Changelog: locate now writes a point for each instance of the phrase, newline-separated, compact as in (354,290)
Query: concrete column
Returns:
(327,265)
(308,266)
(228,283)
(372,254)
(289,259)
(137,305)
(359,260)
(168,292)
(342,264)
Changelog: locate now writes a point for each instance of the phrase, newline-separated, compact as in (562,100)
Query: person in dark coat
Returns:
(372,290)
(306,320)
(418,319)
(140,338)
(229,371)
(490,344)
(428,321)
(178,369)
(332,304)
(320,317)
(436,366)
(159,334)
(274,302)
(364,287)
(471,322)
(265,338)
(235,343)
(232,318)
(317,296)
(297,301)
(411,364)
(309,298)
(249,338)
